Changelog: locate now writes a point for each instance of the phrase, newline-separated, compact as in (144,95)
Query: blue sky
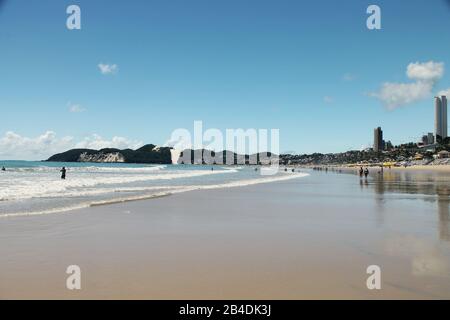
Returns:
(310,68)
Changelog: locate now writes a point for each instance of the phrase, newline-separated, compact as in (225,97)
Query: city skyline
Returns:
(134,74)
(440,127)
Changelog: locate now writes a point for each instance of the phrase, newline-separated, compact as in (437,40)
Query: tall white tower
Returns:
(444,117)
(440,117)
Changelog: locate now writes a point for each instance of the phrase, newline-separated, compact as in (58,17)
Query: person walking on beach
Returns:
(63,173)
(366,172)
(361,172)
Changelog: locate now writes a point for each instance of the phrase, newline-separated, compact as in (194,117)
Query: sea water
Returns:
(31,188)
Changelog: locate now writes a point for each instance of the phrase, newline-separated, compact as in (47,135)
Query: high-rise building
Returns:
(440,117)
(378,140)
(425,140)
(388,146)
(430,138)
(444,117)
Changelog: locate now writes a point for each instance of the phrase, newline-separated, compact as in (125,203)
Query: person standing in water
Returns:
(366,172)
(3,169)
(63,173)
(361,172)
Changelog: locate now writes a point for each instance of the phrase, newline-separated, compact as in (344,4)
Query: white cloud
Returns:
(16,147)
(428,71)
(97,142)
(75,108)
(444,93)
(108,68)
(394,95)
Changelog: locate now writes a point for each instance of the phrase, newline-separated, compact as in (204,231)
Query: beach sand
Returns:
(307,238)
(355,168)
(443,168)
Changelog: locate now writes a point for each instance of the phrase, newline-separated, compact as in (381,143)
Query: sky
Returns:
(138,70)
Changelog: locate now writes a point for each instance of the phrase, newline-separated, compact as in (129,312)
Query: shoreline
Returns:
(147,197)
(355,167)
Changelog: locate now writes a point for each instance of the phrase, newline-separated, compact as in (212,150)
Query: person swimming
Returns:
(63,173)
(3,169)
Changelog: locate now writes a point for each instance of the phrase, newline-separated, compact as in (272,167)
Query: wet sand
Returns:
(307,238)
(443,168)
(429,168)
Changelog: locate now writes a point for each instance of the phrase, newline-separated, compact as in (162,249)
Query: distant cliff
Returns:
(147,154)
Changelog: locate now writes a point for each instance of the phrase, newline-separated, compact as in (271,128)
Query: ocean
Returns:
(33,188)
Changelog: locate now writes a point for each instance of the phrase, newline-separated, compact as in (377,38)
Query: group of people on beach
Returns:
(363,172)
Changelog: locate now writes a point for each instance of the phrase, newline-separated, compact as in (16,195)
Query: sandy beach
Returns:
(429,168)
(443,168)
(306,238)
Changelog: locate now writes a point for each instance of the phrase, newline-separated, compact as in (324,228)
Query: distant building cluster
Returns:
(440,128)
(378,143)
(428,139)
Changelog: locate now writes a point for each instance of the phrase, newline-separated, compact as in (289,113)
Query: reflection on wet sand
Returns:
(444,217)
(433,187)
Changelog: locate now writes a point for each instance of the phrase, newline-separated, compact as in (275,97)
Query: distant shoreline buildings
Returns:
(440,128)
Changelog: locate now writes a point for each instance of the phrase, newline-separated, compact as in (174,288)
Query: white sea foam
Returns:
(170,190)
(20,187)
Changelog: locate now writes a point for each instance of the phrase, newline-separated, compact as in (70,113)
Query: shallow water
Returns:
(28,188)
